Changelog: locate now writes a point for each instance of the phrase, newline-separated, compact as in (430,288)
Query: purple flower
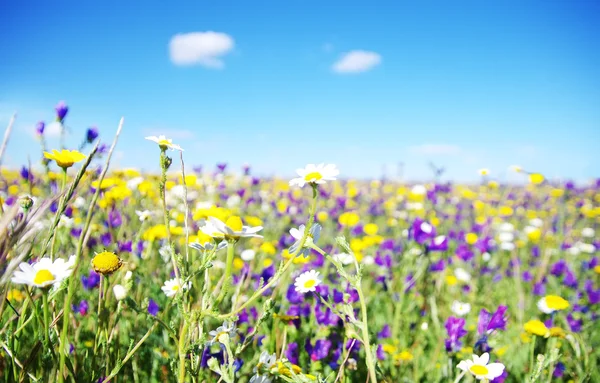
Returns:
(321,350)
(91,281)
(439,243)
(291,353)
(385,332)
(114,218)
(61,111)
(83,308)
(422,231)
(39,128)
(125,247)
(25,174)
(539,288)
(559,370)
(574,324)
(153,308)
(91,134)
(456,330)
(380,353)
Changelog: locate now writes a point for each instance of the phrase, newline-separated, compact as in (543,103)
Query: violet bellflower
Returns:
(455,327)
(61,111)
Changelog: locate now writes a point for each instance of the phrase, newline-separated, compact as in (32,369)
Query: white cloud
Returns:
(52,129)
(435,149)
(200,48)
(357,62)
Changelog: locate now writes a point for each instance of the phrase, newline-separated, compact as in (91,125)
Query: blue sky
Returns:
(465,84)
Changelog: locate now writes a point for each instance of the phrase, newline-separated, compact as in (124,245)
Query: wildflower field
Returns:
(214,275)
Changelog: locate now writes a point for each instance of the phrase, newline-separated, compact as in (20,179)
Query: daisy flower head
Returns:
(223,333)
(480,368)
(106,263)
(484,172)
(460,308)
(312,237)
(172,286)
(551,303)
(232,229)
(164,143)
(44,273)
(266,361)
(315,174)
(307,281)
(65,158)
(143,215)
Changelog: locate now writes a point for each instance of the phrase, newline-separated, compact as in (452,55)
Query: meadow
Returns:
(214,275)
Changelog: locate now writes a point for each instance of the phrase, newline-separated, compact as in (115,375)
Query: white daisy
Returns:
(247,255)
(265,363)
(228,328)
(460,308)
(307,281)
(480,368)
(44,272)
(312,237)
(172,286)
(164,142)
(588,232)
(462,275)
(484,172)
(230,229)
(143,215)
(315,174)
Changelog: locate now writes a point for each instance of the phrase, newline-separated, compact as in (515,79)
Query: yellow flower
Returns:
(106,263)
(506,211)
(597,269)
(451,280)
(536,327)
(349,219)
(370,229)
(268,248)
(65,158)
(389,348)
(551,303)
(404,356)
(322,216)
(15,295)
(557,332)
(536,178)
(471,238)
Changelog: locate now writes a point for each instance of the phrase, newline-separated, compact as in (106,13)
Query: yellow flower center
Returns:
(164,142)
(314,176)
(106,262)
(555,302)
(479,370)
(42,277)
(175,287)
(203,239)
(310,283)
(234,223)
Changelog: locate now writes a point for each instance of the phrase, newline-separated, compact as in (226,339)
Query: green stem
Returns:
(46,319)
(532,354)
(228,269)
(163,192)
(182,353)
(365,335)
